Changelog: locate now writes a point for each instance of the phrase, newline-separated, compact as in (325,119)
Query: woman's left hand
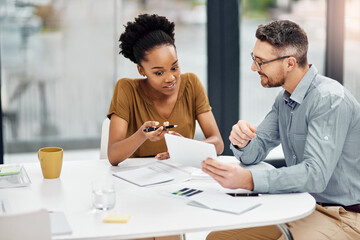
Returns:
(162,156)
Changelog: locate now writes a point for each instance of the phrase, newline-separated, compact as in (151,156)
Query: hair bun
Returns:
(142,26)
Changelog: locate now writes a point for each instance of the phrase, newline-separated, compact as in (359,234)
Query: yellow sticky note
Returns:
(116,218)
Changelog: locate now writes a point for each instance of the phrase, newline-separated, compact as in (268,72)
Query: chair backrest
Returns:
(104,138)
(30,225)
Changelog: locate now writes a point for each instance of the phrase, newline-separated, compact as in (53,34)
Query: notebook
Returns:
(188,151)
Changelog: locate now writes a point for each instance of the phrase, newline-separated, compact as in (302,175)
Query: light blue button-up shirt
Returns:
(318,126)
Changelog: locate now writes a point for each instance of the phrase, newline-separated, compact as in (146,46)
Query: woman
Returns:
(164,96)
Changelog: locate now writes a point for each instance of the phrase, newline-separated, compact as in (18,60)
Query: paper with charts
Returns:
(188,152)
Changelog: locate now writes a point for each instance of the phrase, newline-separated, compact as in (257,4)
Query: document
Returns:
(217,200)
(188,152)
(223,202)
(144,176)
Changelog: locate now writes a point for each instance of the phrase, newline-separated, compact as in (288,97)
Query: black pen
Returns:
(150,129)
(244,194)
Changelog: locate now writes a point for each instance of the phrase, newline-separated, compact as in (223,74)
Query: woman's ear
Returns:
(140,70)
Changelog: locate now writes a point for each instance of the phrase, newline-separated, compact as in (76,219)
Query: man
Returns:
(317,122)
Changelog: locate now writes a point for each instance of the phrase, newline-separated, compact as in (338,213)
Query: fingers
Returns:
(228,175)
(212,171)
(242,133)
(162,156)
(215,165)
(150,124)
(175,133)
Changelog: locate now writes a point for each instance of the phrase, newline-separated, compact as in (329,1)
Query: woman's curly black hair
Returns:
(145,33)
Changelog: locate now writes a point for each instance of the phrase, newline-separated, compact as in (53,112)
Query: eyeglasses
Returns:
(259,64)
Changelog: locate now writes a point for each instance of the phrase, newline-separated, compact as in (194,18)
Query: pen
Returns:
(244,194)
(150,129)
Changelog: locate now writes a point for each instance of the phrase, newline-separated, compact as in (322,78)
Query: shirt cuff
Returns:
(238,152)
(260,180)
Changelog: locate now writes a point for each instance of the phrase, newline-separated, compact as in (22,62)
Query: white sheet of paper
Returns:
(223,202)
(144,176)
(188,151)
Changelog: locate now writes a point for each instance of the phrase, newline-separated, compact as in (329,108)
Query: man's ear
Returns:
(291,63)
(140,70)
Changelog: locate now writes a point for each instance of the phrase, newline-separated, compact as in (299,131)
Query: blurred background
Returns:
(59,62)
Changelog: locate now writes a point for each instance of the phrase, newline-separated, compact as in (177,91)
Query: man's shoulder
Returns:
(327,87)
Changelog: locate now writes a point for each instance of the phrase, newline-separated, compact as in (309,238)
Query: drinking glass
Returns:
(103,194)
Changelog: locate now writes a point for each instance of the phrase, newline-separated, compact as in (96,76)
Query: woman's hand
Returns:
(162,156)
(175,133)
(156,135)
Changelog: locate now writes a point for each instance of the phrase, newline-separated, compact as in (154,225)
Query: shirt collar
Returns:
(301,89)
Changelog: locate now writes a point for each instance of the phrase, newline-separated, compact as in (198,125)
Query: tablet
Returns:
(189,152)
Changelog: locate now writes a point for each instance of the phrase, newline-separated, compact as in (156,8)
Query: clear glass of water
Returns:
(103,194)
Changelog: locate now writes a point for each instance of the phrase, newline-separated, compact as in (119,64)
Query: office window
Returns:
(256,101)
(60,62)
(351,48)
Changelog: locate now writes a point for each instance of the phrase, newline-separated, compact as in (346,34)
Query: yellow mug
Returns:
(51,161)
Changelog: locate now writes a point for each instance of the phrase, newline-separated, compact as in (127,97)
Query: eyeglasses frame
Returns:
(262,63)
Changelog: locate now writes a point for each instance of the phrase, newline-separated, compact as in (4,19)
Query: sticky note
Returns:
(116,218)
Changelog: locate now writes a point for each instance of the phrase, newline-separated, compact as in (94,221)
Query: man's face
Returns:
(272,74)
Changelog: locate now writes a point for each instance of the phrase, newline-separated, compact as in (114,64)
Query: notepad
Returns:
(144,176)
(116,218)
(223,202)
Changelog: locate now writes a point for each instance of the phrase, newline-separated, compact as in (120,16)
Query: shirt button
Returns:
(294,157)
(326,138)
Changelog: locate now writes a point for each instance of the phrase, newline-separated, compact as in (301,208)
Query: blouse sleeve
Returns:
(120,103)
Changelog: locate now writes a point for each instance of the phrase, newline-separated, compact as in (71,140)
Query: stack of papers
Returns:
(13,176)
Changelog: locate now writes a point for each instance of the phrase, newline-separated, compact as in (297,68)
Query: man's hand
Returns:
(242,133)
(228,175)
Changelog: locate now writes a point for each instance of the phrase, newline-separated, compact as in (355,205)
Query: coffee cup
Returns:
(51,161)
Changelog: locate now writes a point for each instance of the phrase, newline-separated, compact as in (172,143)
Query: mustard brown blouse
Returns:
(131,104)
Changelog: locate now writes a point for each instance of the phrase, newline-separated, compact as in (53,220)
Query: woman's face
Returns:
(162,70)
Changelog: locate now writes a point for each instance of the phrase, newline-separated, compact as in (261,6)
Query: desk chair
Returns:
(30,225)
(104,138)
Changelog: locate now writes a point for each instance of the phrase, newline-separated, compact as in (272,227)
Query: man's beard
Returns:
(270,83)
